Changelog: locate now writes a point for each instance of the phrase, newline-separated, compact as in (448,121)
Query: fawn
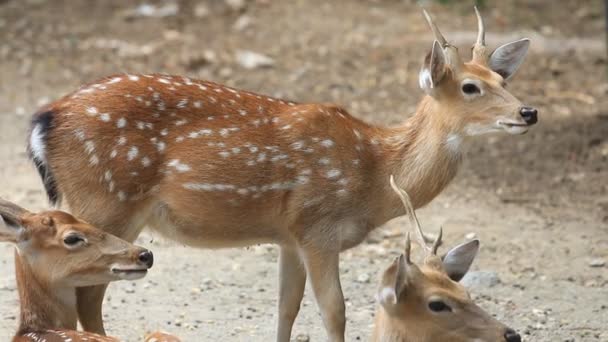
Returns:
(212,166)
(425,303)
(55,253)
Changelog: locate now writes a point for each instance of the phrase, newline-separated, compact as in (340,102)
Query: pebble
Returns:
(363,278)
(470,236)
(597,263)
(302,338)
(253,60)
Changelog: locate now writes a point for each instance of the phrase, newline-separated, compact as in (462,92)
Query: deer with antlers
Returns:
(55,253)
(425,303)
(212,166)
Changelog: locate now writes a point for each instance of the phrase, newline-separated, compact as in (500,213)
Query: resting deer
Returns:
(425,303)
(212,166)
(55,253)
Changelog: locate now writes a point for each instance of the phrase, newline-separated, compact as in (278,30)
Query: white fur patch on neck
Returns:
(453,142)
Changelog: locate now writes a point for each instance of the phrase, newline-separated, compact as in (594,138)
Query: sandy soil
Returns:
(538,202)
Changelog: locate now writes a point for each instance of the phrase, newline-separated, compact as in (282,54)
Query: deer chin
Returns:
(127,272)
(513,127)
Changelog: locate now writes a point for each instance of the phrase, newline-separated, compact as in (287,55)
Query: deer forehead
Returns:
(476,71)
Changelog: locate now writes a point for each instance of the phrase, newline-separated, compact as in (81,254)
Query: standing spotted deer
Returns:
(55,253)
(211,166)
(425,303)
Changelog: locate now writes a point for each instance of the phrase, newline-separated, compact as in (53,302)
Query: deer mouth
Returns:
(514,127)
(129,273)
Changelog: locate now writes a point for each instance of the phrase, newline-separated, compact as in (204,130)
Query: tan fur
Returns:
(48,271)
(212,166)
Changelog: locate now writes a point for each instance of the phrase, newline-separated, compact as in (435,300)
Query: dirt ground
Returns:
(538,202)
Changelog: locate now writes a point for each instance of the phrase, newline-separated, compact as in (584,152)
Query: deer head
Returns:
(62,248)
(425,302)
(472,94)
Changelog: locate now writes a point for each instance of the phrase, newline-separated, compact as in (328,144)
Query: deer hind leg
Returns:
(125,220)
(321,259)
(292,280)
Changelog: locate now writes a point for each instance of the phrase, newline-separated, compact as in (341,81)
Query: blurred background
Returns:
(538,202)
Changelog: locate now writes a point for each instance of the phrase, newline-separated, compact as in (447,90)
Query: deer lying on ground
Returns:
(55,253)
(425,302)
(212,166)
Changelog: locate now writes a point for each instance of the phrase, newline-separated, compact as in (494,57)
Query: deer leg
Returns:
(292,280)
(322,266)
(88,303)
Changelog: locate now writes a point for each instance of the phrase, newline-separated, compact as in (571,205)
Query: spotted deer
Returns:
(212,166)
(55,253)
(425,302)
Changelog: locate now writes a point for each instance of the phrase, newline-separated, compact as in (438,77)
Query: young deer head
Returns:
(473,93)
(56,253)
(61,248)
(426,303)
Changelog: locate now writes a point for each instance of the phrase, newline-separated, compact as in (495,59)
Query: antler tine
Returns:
(438,36)
(408,247)
(411,213)
(479,49)
(437,241)
(481,31)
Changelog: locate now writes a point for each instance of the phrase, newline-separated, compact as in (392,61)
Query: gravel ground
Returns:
(538,202)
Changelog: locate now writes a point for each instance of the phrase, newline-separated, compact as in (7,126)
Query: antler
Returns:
(411,213)
(479,49)
(450,50)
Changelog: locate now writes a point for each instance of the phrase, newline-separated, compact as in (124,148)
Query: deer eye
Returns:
(470,89)
(439,306)
(73,240)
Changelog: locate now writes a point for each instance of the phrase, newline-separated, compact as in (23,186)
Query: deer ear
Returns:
(433,69)
(506,59)
(394,283)
(11,228)
(459,259)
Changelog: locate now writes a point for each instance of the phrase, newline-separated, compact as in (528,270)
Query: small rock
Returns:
(597,263)
(242,23)
(302,338)
(480,279)
(236,5)
(153,11)
(201,11)
(470,236)
(253,60)
(363,278)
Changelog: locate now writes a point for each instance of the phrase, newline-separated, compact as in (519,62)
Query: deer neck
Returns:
(423,154)
(43,306)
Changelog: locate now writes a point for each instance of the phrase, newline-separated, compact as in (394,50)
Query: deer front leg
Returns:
(322,266)
(292,280)
(89,300)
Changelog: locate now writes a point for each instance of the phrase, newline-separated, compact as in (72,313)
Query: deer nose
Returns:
(529,115)
(146,257)
(512,336)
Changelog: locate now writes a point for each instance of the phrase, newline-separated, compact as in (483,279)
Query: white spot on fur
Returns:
(121,123)
(105,117)
(133,152)
(107,175)
(121,196)
(224,154)
(324,161)
(113,154)
(327,143)
(79,133)
(181,122)
(92,111)
(122,140)
(133,78)
(94,160)
(179,166)
(114,80)
(164,132)
(333,173)
(145,161)
(89,146)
